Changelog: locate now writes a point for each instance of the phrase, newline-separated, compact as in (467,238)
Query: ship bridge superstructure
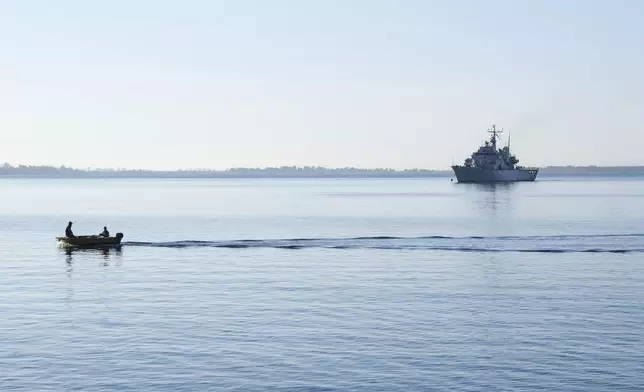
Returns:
(489,157)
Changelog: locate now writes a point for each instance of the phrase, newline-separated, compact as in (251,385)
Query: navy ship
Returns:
(489,164)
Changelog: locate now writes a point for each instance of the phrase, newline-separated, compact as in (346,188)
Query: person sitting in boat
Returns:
(68,230)
(105,233)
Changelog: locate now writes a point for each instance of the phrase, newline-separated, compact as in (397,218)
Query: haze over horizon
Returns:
(409,84)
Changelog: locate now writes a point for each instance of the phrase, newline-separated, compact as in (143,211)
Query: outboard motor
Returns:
(119,235)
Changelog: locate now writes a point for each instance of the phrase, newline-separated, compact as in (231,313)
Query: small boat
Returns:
(90,240)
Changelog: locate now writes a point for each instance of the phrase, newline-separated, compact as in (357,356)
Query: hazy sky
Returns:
(217,84)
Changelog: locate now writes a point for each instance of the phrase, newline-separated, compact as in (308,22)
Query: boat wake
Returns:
(602,243)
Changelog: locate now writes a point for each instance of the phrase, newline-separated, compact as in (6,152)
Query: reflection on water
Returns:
(79,253)
(493,197)
(493,186)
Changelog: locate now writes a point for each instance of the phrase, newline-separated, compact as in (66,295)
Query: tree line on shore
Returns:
(279,172)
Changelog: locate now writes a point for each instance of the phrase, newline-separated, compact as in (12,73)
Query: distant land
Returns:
(8,170)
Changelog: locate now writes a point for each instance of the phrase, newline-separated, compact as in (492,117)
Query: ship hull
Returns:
(466,174)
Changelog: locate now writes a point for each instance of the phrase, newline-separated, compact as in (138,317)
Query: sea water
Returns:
(323,285)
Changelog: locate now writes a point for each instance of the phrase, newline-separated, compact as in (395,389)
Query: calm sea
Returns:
(324,285)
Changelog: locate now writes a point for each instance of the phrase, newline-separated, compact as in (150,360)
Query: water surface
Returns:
(356,284)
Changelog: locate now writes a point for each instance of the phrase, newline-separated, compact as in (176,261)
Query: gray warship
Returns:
(489,164)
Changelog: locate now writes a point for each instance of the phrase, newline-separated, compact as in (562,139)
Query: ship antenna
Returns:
(509,136)
(495,135)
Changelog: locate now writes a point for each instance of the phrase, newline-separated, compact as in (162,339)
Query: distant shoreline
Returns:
(23,171)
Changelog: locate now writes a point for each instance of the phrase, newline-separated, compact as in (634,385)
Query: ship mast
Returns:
(495,135)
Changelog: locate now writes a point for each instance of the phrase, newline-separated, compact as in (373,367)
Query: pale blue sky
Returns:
(218,84)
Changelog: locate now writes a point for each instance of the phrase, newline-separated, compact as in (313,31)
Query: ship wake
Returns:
(602,243)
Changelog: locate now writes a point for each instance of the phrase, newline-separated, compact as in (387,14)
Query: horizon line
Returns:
(7,165)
